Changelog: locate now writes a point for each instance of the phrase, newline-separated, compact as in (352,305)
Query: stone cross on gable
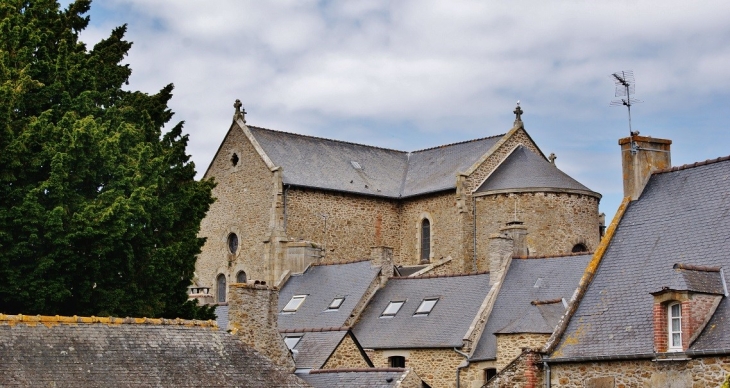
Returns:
(518,114)
(239,114)
(552,157)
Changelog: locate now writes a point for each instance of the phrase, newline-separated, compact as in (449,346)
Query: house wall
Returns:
(555,221)
(509,346)
(441,210)
(355,223)
(473,376)
(525,372)
(244,197)
(436,367)
(347,355)
(698,372)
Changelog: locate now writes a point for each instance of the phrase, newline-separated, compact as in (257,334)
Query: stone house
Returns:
(285,201)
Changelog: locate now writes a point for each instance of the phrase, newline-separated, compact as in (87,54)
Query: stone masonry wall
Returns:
(347,355)
(354,223)
(555,221)
(436,367)
(695,373)
(473,375)
(244,196)
(524,372)
(509,346)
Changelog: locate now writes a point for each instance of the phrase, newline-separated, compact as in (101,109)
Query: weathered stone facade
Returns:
(695,373)
(524,372)
(474,375)
(510,346)
(347,355)
(436,367)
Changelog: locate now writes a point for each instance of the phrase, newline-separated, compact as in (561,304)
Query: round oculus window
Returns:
(232,242)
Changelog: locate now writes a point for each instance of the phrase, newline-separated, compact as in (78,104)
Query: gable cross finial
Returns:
(518,114)
(239,113)
(552,157)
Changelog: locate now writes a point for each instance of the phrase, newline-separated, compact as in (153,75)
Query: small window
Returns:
(425,240)
(579,248)
(336,303)
(356,165)
(675,327)
(425,308)
(392,309)
(241,277)
(294,304)
(232,243)
(221,288)
(397,361)
(234,160)
(292,341)
(489,373)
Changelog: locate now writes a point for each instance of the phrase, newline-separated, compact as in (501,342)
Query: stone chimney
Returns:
(640,156)
(382,256)
(501,248)
(518,232)
(253,310)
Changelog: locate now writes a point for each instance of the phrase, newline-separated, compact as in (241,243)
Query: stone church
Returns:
(285,201)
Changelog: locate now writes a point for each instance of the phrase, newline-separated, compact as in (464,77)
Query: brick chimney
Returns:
(253,310)
(640,156)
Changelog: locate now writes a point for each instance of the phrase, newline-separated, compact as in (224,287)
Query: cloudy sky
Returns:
(415,74)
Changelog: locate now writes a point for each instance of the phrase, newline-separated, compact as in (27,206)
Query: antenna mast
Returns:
(624,81)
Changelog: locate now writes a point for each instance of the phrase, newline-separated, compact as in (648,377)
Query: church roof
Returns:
(459,299)
(342,166)
(529,280)
(682,216)
(524,170)
(104,352)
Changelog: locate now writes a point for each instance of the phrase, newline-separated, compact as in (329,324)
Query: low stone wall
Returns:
(347,355)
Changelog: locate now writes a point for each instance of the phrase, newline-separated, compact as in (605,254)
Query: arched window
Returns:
(241,277)
(233,243)
(425,240)
(674,329)
(221,288)
(578,248)
(397,361)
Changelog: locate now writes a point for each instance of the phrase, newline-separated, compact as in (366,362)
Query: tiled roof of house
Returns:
(682,216)
(459,300)
(342,166)
(103,352)
(696,280)
(322,284)
(529,280)
(355,378)
(315,347)
(523,169)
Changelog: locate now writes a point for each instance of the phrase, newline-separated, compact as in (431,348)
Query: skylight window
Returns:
(292,341)
(392,309)
(336,303)
(356,165)
(426,306)
(294,304)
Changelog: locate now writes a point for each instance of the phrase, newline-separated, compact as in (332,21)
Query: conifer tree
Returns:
(99,208)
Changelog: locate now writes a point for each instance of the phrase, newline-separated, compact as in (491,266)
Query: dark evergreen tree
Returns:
(99,209)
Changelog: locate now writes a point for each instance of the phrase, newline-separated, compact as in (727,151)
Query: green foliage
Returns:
(99,210)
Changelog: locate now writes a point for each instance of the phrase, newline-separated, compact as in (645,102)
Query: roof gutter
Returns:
(640,356)
(461,366)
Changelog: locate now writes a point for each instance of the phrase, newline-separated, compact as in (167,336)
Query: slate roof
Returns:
(221,316)
(523,169)
(362,378)
(459,300)
(313,350)
(327,164)
(130,355)
(513,311)
(683,216)
(321,284)
(708,282)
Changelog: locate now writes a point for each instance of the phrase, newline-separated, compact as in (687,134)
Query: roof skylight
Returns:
(336,303)
(426,306)
(356,165)
(292,341)
(294,304)
(392,309)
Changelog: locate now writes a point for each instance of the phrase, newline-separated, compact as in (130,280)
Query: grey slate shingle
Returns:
(359,379)
(681,217)
(559,278)
(459,300)
(315,348)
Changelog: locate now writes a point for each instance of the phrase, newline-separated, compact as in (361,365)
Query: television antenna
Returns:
(624,81)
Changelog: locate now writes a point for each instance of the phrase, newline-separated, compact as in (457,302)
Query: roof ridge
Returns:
(457,143)
(553,256)
(348,370)
(328,139)
(314,330)
(692,165)
(58,319)
(439,276)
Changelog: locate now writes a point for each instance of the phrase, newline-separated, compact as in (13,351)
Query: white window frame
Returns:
(672,346)
(294,304)
(336,303)
(426,306)
(392,306)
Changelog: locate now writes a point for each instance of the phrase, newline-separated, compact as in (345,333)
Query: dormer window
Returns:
(336,303)
(674,319)
(392,309)
(294,303)
(426,306)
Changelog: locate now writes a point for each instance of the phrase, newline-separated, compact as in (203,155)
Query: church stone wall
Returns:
(436,367)
(244,197)
(354,223)
(555,221)
(347,355)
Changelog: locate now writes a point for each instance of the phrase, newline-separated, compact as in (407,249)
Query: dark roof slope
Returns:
(321,284)
(528,280)
(523,169)
(459,300)
(683,216)
(361,378)
(328,164)
(43,354)
(708,282)
(313,350)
